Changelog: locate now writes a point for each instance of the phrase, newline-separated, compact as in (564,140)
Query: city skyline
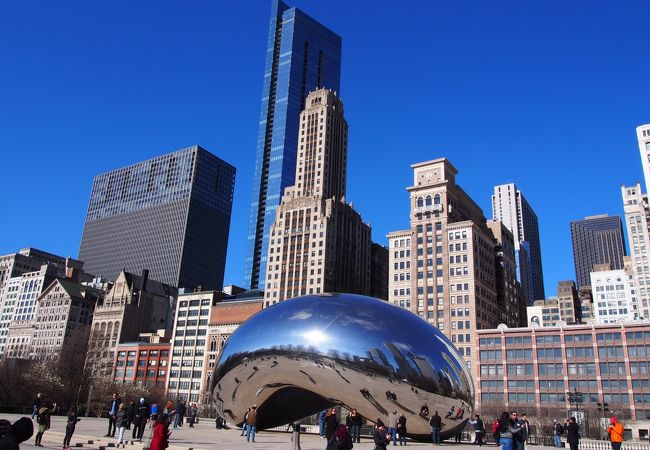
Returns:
(580,103)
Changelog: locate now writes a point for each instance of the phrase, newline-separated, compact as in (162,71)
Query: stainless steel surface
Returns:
(303,355)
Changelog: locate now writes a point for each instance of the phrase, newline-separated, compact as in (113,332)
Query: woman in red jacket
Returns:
(160,434)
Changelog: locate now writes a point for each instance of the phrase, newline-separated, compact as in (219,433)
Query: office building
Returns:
(379,271)
(614,293)
(544,313)
(170,215)
(637,221)
(643,136)
(318,242)
(144,362)
(532,369)
(443,268)
(187,372)
(596,240)
(134,305)
(569,302)
(511,207)
(301,55)
(64,315)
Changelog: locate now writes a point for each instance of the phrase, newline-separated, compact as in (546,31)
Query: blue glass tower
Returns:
(301,56)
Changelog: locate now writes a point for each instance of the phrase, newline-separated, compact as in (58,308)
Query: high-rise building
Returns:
(170,215)
(511,207)
(318,242)
(643,136)
(301,55)
(596,240)
(614,292)
(443,268)
(637,221)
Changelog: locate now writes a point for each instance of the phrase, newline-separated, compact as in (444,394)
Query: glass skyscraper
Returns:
(170,215)
(301,56)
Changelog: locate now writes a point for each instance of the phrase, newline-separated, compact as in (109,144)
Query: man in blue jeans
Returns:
(321,423)
(558,429)
(392,426)
(436,424)
(251,424)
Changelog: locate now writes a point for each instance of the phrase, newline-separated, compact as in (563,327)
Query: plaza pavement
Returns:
(202,436)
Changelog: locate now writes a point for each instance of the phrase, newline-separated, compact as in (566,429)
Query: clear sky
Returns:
(543,94)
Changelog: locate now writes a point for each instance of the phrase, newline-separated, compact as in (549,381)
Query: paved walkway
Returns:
(90,431)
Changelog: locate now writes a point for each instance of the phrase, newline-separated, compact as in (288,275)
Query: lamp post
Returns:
(604,409)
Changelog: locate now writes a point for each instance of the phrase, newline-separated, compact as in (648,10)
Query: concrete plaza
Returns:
(202,436)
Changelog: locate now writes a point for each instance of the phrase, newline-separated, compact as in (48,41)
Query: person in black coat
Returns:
(573,434)
(140,420)
(401,429)
(331,424)
(380,438)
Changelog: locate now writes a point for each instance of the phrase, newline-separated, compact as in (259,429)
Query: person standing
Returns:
(507,431)
(36,404)
(130,415)
(251,424)
(331,424)
(321,422)
(401,429)
(573,434)
(43,420)
(477,423)
(615,432)
(120,423)
(495,431)
(244,425)
(112,411)
(558,429)
(436,424)
(70,426)
(193,412)
(140,420)
(154,411)
(160,439)
(380,437)
(520,438)
(392,426)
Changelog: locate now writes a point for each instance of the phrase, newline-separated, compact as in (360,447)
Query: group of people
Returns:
(42,410)
(249,427)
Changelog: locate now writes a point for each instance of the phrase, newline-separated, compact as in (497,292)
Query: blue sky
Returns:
(543,94)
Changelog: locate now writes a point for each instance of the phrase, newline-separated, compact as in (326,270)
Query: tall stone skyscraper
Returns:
(302,55)
(511,207)
(637,220)
(596,240)
(449,266)
(169,215)
(643,136)
(318,242)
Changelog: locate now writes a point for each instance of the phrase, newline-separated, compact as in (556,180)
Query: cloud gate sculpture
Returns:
(303,355)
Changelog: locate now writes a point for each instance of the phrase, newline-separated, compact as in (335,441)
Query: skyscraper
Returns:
(643,136)
(596,240)
(511,207)
(301,55)
(318,242)
(170,215)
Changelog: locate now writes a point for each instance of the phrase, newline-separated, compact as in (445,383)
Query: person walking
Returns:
(251,424)
(558,430)
(120,423)
(112,411)
(507,431)
(392,426)
(36,404)
(43,421)
(615,432)
(401,429)
(573,434)
(70,426)
(160,439)
(331,424)
(436,424)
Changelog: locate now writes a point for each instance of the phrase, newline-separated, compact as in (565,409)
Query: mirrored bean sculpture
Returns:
(304,355)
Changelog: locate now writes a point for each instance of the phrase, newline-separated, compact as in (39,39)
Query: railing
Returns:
(591,444)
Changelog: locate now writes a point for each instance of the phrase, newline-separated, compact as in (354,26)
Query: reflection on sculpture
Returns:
(309,353)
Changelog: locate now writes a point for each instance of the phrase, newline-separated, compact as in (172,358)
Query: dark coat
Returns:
(401,425)
(141,413)
(573,434)
(435,421)
(379,437)
(331,424)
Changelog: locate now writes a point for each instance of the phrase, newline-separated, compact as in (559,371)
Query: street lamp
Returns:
(604,409)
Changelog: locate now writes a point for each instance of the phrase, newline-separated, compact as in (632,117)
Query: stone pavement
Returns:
(90,431)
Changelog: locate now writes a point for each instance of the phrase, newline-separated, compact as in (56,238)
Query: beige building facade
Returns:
(318,242)
(444,267)
(134,304)
(637,220)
